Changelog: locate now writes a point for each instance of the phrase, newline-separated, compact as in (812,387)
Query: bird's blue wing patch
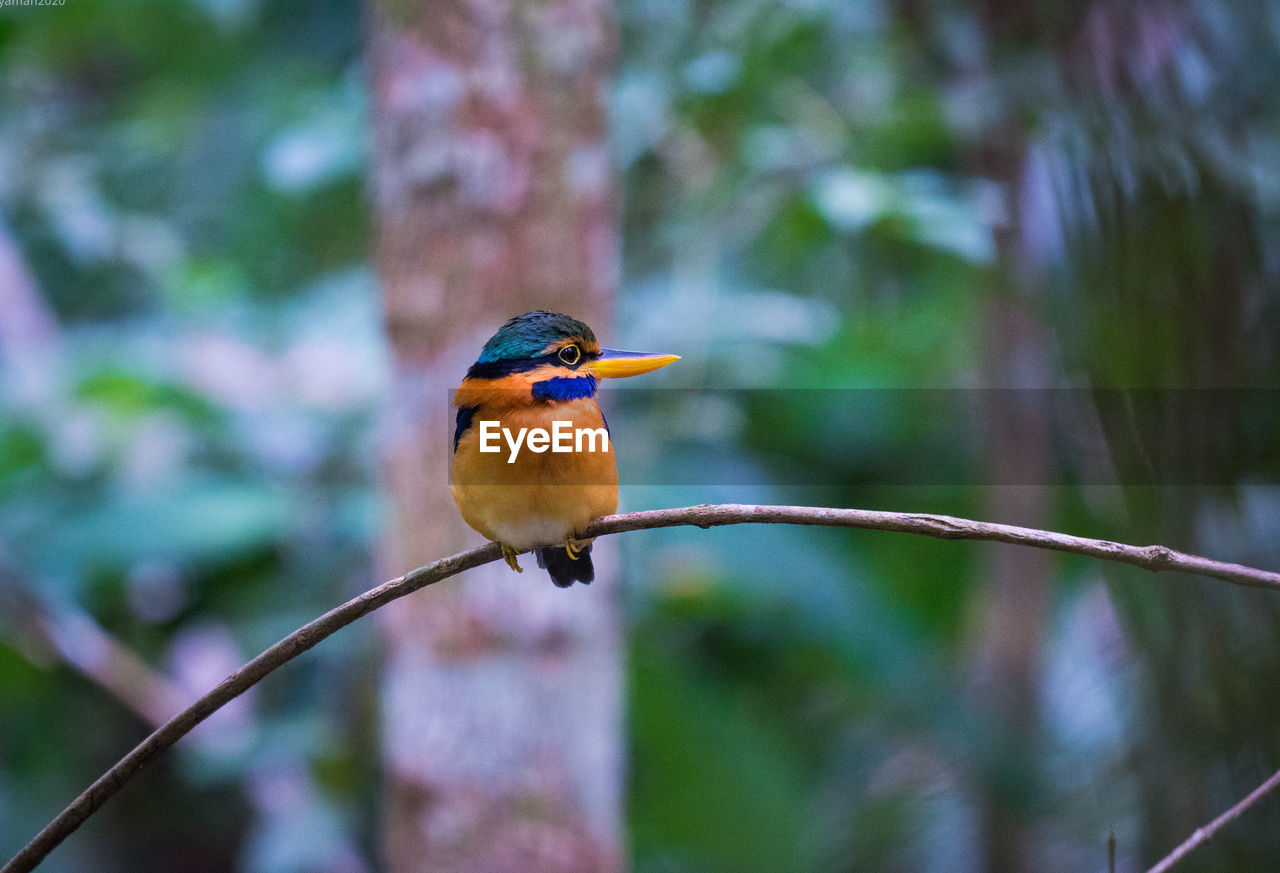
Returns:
(465,415)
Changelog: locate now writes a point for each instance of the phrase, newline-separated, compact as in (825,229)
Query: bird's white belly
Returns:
(533,530)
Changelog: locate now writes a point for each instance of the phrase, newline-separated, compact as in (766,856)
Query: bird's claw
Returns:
(509,555)
(573,550)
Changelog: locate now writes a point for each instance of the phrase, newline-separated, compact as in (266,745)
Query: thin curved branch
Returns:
(1206,833)
(1154,558)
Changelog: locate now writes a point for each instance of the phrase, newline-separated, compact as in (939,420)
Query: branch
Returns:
(44,630)
(1154,558)
(1206,833)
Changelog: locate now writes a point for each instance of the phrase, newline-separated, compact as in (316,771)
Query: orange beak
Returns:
(615,364)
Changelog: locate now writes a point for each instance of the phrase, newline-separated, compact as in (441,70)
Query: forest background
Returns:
(1016,262)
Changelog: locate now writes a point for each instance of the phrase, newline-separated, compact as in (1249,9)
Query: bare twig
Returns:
(75,639)
(1206,833)
(1154,558)
(26,321)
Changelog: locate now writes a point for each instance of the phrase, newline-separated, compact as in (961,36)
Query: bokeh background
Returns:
(880,212)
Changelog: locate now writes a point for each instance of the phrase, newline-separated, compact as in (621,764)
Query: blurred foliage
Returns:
(188,454)
(818,195)
(851,196)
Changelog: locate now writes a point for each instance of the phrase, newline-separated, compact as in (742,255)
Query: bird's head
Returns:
(546,355)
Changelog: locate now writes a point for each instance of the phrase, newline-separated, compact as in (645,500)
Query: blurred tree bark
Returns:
(501,695)
(1011,610)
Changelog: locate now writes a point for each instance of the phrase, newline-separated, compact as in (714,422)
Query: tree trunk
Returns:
(502,695)
(1013,606)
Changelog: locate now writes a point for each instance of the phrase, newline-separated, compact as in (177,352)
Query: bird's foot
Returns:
(509,555)
(573,550)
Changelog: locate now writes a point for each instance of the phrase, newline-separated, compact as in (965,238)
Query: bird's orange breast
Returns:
(539,498)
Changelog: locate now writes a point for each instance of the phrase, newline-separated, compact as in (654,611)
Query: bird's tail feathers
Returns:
(564,570)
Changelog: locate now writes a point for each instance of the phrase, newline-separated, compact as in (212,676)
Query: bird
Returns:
(538,369)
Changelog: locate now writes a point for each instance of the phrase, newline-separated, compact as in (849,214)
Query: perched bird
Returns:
(513,486)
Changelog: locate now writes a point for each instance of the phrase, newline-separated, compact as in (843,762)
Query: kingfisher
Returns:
(534,384)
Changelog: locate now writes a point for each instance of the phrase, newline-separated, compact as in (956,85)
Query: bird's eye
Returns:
(571,355)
